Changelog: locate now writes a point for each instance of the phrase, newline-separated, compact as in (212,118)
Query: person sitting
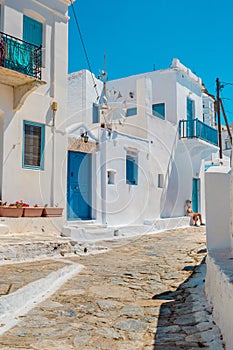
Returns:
(194,216)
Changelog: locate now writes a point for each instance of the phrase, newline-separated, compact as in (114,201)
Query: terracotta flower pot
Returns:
(52,212)
(11,212)
(32,212)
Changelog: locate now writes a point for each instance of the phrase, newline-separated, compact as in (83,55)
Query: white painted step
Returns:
(168,223)
(97,232)
(17,304)
(87,233)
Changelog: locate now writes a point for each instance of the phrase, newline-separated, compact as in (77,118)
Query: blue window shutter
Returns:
(158,110)
(131,112)
(135,172)
(32,31)
(131,170)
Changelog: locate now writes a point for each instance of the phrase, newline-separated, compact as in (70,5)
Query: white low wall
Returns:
(219,292)
(218,208)
(22,225)
(219,277)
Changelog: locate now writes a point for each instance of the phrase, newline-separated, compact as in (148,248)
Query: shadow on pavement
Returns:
(185,320)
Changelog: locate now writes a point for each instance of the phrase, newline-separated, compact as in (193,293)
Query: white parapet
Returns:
(218,208)
(219,292)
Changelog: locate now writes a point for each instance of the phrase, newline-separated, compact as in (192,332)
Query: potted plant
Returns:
(14,210)
(33,212)
(52,211)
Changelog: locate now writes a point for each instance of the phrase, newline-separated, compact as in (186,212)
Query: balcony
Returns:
(20,66)
(195,129)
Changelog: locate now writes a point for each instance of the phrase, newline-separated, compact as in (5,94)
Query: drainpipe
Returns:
(54,110)
(103,158)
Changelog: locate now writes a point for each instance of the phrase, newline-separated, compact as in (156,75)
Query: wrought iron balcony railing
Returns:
(20,56)
(196,129)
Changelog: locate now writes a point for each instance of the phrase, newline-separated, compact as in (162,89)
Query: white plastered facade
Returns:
(47,185)
(161,153)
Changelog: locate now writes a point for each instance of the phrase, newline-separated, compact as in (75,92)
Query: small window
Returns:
(160,180)
(131,111)
(131,169)
(111,177)
(158,110)
(95,113)
(227,144)
(33,145)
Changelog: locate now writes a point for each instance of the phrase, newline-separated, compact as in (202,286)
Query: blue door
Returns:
(32,34)
(196,195)
(190,117)
(79,186)
(32,31)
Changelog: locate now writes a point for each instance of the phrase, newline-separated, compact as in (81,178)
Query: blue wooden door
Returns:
(196,195)
(190,117)
(79,186)
(32,34)
(32,31)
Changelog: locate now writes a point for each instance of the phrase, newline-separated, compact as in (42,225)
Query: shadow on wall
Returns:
(170,195)
(184,321)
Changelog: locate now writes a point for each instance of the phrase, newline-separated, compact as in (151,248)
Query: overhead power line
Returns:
(84,48)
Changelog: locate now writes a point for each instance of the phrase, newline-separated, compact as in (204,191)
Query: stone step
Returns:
(85,234)
(101,232)
(168,223)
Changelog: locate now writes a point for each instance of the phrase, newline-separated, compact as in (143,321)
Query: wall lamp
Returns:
(84,137)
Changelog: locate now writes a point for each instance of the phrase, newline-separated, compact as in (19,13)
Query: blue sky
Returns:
(136,35)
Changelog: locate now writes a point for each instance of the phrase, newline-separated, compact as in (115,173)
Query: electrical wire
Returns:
(84,48)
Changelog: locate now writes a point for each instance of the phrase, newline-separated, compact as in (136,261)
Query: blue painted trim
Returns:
(42,144)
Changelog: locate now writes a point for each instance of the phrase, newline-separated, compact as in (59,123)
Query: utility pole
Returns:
(218,88)
(103,145)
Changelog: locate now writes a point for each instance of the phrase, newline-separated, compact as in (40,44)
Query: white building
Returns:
(33,76)
(145,153)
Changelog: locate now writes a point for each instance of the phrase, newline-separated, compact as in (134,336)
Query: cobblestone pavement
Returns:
(145,293)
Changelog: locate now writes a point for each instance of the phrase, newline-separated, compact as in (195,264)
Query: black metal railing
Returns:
(20,56)
(196,129)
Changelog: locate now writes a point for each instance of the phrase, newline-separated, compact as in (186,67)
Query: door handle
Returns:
(76,187)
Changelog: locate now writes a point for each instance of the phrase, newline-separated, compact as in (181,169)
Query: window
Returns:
(131,168)
(95,113)
(131,111)
(158,110)
(227,144)
(33,145)
(160,180)
(32,31)
(111,177)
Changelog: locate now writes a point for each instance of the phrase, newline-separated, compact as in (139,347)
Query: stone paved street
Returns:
(145,293)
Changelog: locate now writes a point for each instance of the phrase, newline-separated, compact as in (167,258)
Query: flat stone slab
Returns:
(19,275)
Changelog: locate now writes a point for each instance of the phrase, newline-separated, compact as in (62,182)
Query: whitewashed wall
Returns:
(36,186)
(178,161)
